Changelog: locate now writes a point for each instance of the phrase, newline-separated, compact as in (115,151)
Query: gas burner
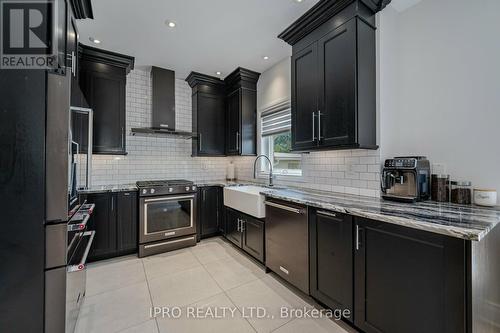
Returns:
(171,182)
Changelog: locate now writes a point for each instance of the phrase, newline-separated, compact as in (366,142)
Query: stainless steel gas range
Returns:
(167,215)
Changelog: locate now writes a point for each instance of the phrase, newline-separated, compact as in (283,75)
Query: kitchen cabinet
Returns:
(333,78)
(233,233)
(407,280)
(115,222)
(209,211)
(209,114)
(331,259)
(241,112)
(246,232)
(102,79)
(126,222)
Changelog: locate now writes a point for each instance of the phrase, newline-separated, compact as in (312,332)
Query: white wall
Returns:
(439,86)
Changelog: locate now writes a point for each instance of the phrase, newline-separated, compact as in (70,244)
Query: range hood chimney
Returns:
(163,106)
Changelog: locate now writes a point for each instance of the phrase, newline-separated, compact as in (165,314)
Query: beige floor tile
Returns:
(183,288)
(208,251)
(114,275)
(169,263)
(269,295)
(230,273)
(321,325)
(115,310)
(146,327)
(230,322)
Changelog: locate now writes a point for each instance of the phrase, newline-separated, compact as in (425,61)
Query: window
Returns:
(276,142)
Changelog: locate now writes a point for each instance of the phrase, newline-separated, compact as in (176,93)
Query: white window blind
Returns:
(277,119)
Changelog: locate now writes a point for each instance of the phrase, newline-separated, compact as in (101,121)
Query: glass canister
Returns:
(461,192)
(440,190)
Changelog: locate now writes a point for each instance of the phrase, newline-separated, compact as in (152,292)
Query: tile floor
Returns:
(211,276)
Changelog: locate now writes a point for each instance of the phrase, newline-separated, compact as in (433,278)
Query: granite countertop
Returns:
(466,222)
(224,183)
(109,188)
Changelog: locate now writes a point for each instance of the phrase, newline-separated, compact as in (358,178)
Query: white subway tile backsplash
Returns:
(346,171)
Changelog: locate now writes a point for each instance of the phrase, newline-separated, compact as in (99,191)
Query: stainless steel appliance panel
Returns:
(287,242)
(57,148)
(165,246)
(166,217)
(55,300)
(56,245)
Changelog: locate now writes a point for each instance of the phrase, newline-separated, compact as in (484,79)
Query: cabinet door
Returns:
(233,233)
(331,260)
(408,280)
(103,222)
(211,126)
(253,237)
(248,113)
(337,86)
(209,215)
(233,134)
(105,93)
(304,98)
(126,221)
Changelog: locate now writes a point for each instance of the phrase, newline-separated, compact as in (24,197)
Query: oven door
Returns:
(166,217)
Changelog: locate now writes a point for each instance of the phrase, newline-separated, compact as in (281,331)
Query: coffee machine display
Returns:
(406,179)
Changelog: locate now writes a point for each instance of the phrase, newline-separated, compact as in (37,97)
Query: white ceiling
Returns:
(210,36)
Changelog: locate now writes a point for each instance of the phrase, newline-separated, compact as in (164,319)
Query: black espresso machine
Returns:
(406,179)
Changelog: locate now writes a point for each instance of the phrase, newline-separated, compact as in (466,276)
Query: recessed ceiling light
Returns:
(298,1)
(265,57)
(95,41)
(170,24)
(218,73)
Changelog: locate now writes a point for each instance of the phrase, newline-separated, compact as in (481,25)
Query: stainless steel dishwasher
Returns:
(287,242)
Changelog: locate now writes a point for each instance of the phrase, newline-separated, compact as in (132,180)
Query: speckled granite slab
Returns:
(466,222)
(110,188)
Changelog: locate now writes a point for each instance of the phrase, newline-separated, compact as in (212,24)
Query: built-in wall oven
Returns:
(167,216)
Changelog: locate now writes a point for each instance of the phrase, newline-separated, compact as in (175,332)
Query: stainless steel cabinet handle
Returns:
(319,125)
(290,209)
(200,143)
(237,140)
(357,238)
(123,136)
(112,202)
(82,264)
(243,225)
(238,225)
(322,212)
(73,63)
(313,124)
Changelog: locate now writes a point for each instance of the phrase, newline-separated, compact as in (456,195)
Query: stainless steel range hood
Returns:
(163,107)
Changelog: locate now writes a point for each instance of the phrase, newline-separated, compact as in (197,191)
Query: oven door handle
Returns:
(82,264)
(169,198)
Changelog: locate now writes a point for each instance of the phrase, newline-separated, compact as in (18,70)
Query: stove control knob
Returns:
(193,188)
(187,188)
(152,191)
(170,190)
(144,191)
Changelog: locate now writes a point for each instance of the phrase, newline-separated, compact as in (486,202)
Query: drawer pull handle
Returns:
(284,270)
(322,212)
(290,209)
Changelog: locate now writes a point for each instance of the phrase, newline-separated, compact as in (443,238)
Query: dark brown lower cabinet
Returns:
(209,211)
(245,232)
(407,280)
(115,222)
(331,260)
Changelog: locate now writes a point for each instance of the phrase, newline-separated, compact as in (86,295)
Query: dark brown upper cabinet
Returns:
(209,114)
(102,79)
(333,75)
(241,112)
